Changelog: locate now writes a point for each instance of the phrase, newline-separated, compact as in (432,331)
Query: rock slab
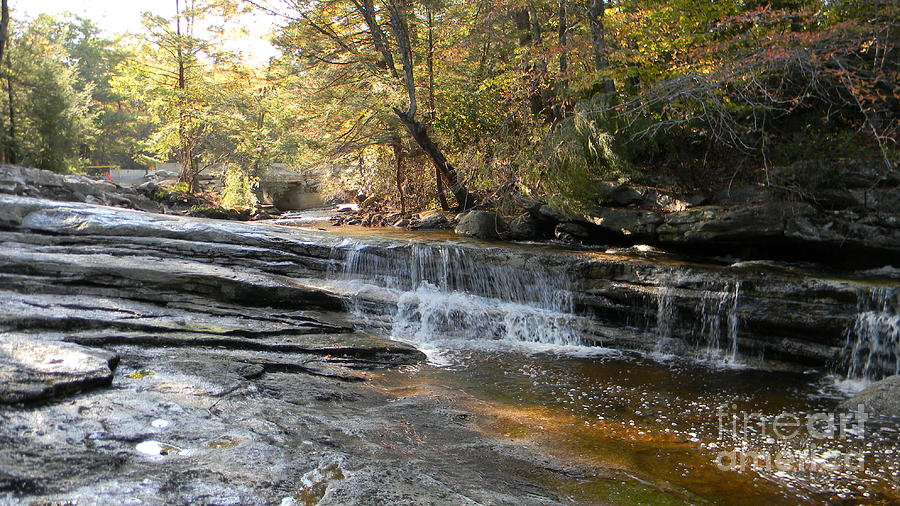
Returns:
(32,369)
(881,398)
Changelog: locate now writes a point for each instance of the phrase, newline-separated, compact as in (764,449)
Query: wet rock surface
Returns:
(33,369)
(238,378)
(881,398)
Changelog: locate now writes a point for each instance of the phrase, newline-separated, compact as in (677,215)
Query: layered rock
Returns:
(15,180)
(237,354)
(239,378)
(33,369)
(841,213)
(636,298)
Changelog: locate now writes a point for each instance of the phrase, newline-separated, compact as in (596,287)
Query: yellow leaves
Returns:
(140,374)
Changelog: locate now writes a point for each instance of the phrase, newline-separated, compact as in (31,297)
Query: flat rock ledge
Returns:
(31,369)
(239,378)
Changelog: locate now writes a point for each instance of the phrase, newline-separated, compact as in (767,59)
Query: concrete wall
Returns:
(298,201)
(128,177)
(290,196)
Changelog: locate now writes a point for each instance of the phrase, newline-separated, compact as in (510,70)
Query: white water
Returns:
(442,296)
(717,324)
(441,293)
(872,349)
(719,313)
(665,318)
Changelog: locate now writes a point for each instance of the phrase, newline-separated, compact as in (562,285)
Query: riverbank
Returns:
(172,360)
(162,360)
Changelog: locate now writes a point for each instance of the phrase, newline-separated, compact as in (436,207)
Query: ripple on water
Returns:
(670,423)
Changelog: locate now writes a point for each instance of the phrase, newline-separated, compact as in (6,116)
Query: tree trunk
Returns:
(563,87)
(595,15)
(9,151)
(429,60)
(398,157)
(185,153)
(432,103)
(419,133)
(464,199)
(439,185)
(529,26)
(4,26)
(367,9)
(523,26)
(11,148)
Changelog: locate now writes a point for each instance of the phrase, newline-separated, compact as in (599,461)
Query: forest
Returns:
(451,104)
(444,252)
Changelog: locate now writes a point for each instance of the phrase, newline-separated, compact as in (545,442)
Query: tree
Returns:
(595,14)
(4,27)
(48,116)
(170,75)
(373,69)
(96,60)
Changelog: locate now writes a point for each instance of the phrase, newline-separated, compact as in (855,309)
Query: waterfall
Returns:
(872,349)
(719,312)
(665,316)
(716,326)
(440,292)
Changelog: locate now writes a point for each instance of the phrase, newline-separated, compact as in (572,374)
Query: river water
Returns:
(651,426)
(671,432)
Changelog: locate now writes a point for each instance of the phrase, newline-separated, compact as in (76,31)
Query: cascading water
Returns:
(719,313)
(665,315)
(717,325)
(429,292)
(872,350)
(440,292)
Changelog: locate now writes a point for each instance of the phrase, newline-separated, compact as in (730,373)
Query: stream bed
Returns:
(687,410)
(164,360)
(675,431)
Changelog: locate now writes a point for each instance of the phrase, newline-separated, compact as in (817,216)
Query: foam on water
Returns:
(441,293)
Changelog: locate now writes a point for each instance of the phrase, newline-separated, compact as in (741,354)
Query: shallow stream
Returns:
(673,431)
(651,426)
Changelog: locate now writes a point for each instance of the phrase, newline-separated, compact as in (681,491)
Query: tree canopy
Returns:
(450,103)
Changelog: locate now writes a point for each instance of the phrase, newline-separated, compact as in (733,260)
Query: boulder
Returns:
(881,398)
(621,195)
(526,227)
(32,369)
(784,225)
(848,230)
(369,202)
(743,195)
(480,224)
(817,175)
(529,204)
(633,224)
(762,223)
(429,221)
(550,214)
(574,233)
(15,180)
